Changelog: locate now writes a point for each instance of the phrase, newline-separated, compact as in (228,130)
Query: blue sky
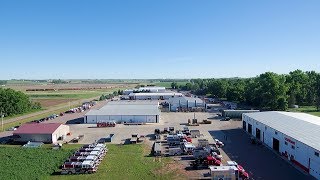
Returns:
(157,39)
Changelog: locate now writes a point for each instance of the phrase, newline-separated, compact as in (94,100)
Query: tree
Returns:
(15,102)
(3,82)
(271,91)
(174,85)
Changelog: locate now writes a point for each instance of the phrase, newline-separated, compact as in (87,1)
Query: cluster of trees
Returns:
(111,95)
(269,91)
(59,81)
(15,102)
(3,82)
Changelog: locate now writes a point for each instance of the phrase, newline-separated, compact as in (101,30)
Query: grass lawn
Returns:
(128,162)
(31,163)
(306,109)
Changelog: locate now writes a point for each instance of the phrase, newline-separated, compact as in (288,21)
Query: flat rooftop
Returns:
(126,110)
(300,126)
(169,93)
(133,102)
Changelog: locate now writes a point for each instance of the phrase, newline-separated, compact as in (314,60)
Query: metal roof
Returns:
(156,94)
(126,110)
(37,128)
(184,99)
(133,102)
(300,126)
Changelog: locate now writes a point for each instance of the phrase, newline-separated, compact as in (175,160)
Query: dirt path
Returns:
(72,104)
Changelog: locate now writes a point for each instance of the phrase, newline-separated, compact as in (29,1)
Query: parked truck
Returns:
(176,151)
(84,167)
(227,172)
(205,162)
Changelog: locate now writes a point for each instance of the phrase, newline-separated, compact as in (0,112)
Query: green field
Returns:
(22,163)
(121,162)
(126,162)
(306,109)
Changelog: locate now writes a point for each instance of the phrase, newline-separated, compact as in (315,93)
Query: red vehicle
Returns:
(106,124)
(211,161)
(188,139)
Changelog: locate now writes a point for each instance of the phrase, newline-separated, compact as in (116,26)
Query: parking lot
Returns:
(259,162)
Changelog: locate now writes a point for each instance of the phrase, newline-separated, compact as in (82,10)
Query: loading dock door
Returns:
(276,144)
(250,128)
(314,168)
(244,125)
(258,134)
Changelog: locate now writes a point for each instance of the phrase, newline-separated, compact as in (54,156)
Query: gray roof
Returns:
(126,110)
(300,126)
(133,102)
(184,99)
(157,94)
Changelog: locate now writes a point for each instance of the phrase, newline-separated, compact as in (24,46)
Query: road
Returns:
(72,104)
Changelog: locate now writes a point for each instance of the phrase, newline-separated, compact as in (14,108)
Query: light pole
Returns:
(2,115)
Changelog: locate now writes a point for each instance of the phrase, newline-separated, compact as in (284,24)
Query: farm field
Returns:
(306,109)
(129,162)
(33,163)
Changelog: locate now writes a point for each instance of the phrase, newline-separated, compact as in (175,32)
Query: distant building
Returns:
(295,136)
(154,96)
(185,102)
(147,89)
(41,132)
(125,111)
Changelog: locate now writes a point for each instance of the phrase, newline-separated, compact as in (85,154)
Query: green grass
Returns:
(126,162)
(23,163)
(306,109)
(26,113)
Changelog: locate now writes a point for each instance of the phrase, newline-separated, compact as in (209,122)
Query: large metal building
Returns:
(295,136)
(125,111)
(41,132)
(154,96)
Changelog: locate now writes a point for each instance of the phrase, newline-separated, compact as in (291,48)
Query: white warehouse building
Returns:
(154,96)
(295,136)
(125,112)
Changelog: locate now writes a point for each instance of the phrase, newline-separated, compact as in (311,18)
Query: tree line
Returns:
(15,102)
(111,95)
(268,91)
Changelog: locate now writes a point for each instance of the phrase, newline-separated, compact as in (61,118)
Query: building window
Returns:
(265,128)
(286,143)
(316,154)
(276,132)
(293,147)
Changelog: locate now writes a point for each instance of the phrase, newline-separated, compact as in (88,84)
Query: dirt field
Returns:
(51,102)
(81,86)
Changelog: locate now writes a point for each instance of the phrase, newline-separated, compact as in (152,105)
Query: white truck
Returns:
(188,147)
(227,172)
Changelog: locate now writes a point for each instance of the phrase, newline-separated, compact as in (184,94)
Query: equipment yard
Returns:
(257,160)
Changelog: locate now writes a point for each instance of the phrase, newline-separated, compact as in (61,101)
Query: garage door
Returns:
(315,168)
(151,119)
